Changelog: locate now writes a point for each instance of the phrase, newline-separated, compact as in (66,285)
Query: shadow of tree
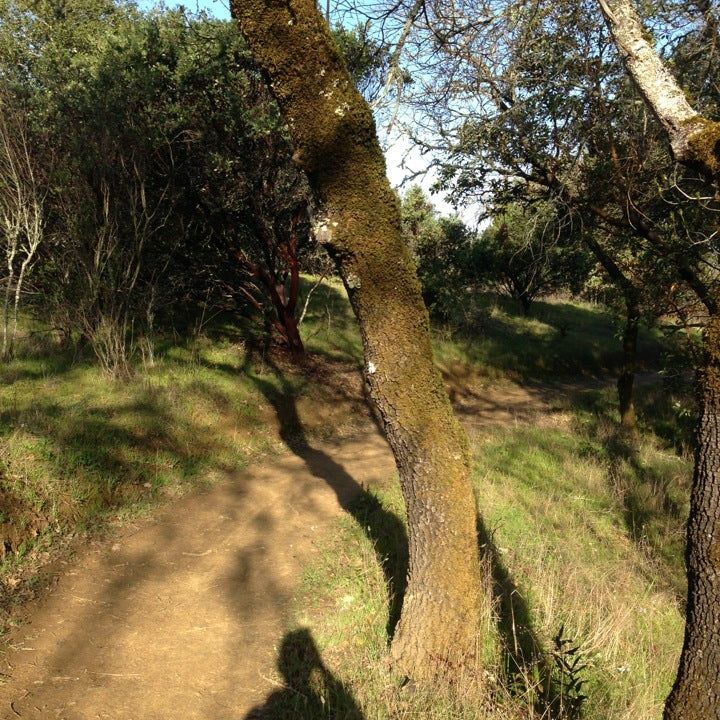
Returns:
(548,681)
(386,531)
(310,690)
(559,339)
(528,669)
(654,495)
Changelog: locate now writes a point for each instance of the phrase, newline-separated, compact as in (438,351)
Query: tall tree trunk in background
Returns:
(696,693)
(525,303)
(695,142)
(626,381)
(335,142)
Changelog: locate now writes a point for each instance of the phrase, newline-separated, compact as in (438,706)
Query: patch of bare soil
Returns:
(18,521)
(180,616)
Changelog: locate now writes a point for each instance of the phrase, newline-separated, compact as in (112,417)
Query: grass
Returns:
(581,532)
(582,537)
(79,450)
(560,339)
(572,583)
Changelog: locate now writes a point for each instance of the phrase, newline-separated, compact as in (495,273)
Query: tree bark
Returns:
(336,144)
(525,303)
(696,693)
(695,140)
(626,381)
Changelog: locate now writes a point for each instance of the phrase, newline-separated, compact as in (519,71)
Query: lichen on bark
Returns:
(335,141)
(703,143)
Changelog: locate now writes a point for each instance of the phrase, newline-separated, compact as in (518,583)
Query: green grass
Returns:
(582,537)
(78,447)
(330,328)
(560,339)
(581,532)
(560,524)
(559,557)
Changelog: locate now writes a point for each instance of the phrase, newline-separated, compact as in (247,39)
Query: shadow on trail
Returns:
(310,690)
(383,528)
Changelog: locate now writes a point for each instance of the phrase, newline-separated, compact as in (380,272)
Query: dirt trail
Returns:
(179,616)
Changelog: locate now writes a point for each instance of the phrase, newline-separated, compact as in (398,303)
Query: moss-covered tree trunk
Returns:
(336,144)
(626,381)
(696,693)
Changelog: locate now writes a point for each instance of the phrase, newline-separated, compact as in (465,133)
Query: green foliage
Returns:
(441,247)
(171,173)
(527,252)
(366,57)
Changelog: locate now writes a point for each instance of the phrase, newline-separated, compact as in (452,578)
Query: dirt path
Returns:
(178,617)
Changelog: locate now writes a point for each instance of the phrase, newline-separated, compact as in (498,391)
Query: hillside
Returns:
(581,528)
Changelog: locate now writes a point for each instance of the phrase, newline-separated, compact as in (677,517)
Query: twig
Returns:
(309,295)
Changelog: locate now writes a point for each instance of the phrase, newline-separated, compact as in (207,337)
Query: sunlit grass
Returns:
(582,525)
(78,447)
(561,556)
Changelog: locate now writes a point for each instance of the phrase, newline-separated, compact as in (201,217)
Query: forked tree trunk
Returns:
(695,142)
(696,693)
(626,381)
(336,144)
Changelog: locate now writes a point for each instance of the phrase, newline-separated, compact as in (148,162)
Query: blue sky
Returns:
(217,8)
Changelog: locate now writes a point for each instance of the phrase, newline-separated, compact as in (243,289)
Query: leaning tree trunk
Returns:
(626,381)
(695,142)
(696,693)
(336,144)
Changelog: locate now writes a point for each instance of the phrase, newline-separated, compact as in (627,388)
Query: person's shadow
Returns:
(310,690)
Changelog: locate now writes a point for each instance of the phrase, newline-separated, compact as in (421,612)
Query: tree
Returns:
(526,253)
(440,247)
(695,142)
(366,58)
(173,180)
(532,104)
(336,144)
(694,139)
(23,194)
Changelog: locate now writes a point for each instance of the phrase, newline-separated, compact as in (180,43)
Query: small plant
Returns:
(570,662)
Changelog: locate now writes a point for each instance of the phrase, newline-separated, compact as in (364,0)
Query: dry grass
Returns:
(562,564)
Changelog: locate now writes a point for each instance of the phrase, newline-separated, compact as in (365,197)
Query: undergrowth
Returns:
(581,535)
(585,620)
